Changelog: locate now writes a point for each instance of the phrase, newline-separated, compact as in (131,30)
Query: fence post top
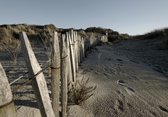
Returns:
(55,32)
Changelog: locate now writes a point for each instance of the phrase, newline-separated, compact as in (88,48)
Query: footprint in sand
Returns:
(121,82)
(118,69)
(129,105)
(99,56)
(120,60)
(163,109)
(119,105)
(128,89)
(118,92)
(109,59)
(153,113)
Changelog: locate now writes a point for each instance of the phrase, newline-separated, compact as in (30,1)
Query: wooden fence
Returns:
(67,53)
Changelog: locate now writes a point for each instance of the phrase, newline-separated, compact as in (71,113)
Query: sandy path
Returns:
(126,85)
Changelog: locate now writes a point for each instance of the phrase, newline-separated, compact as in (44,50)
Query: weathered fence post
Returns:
(70,77)
(82,48)
(103,38)
(7,108)
(55,74)
(79,43)
(72,55)
(64,75)
(38,81)
(76,50)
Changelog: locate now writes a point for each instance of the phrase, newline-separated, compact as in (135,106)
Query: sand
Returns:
(128,82)
(131,78)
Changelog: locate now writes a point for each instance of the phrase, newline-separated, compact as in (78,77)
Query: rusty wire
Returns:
(29,79)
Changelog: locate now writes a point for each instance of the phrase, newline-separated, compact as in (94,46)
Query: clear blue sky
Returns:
(125,16)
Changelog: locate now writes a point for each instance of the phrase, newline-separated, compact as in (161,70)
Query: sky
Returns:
(125,16)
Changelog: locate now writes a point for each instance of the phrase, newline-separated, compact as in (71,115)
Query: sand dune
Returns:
(128,83)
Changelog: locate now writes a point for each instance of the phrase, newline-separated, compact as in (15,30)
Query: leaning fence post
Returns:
(7,108)
(38,81)
(55,74)
(64,75)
